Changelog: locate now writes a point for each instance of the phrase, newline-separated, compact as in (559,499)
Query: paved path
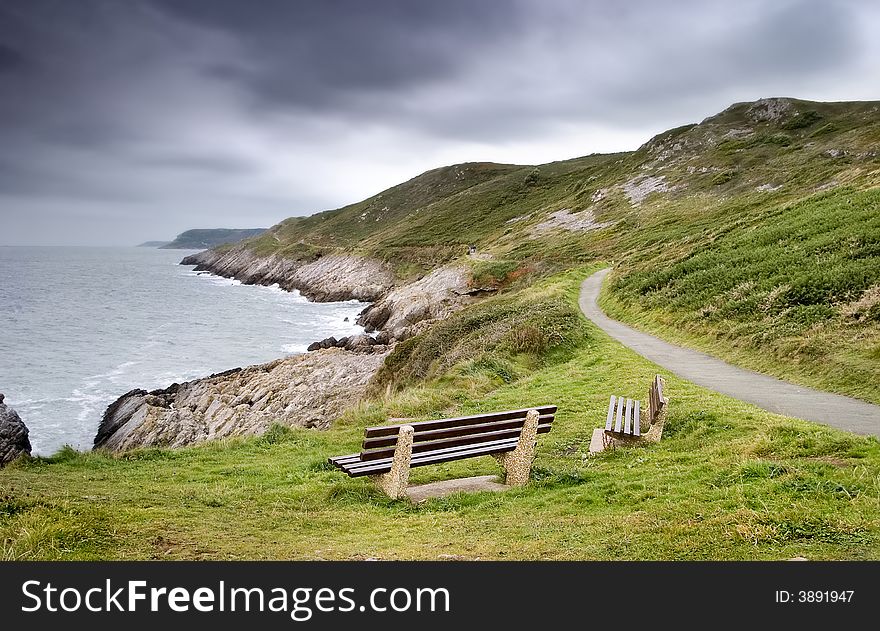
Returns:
(766,392)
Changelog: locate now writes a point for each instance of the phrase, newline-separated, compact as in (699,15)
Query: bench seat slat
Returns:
(436,457)
(339,459)
(628,419)
(620,403)
(421,426)
(610,419)
(453,432)
(460,441)
(443,440)
(357,463)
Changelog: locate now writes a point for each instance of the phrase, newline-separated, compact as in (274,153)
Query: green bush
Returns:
(723,178)
(532,178)
(783,140)
(827,128)
(540,323)
(802,120)
(492,273)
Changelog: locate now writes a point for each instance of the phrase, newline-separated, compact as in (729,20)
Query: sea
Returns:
(80,326)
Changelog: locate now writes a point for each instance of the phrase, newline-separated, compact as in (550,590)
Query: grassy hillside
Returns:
(792,290)
(727,481)
(788,185)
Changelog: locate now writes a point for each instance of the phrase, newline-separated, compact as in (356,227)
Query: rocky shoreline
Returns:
(330,278)
(14,440)
(309,390)
(396,310)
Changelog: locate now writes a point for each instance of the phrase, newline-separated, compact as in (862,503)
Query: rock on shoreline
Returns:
(308,390)
(433,297)
(330,278)
(399,312)
(13,435)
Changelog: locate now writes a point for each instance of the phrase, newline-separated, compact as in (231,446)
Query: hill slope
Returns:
(704,223)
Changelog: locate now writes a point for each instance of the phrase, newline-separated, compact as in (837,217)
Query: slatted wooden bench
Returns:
(626,423)
(389,451)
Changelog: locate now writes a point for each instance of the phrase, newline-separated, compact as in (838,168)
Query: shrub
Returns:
(723,178)
(492,273)
(542,322)
(532,178)
(802,120)
(827,128)
(783,140)
(528,339)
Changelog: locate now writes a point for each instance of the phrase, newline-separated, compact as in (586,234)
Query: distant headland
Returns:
(204,238)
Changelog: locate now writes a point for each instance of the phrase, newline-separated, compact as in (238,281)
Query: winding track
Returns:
(769,393)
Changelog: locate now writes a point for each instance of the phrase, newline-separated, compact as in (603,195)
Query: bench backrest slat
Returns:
(627,424)
(656,401)
(454,432)
(637,426)
(423,426)
(461,441)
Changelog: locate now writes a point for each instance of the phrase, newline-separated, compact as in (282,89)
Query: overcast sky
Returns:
(128,120)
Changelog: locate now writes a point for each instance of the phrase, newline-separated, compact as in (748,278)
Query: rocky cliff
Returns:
(432,297)
(329,278)
(13,435)
(395,309)
(301,391)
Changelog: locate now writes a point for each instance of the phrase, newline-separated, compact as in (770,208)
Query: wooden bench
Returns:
(626,423)
(388,452)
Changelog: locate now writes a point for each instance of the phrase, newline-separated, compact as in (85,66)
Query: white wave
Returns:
(89,403)
(115,372)
(295,348)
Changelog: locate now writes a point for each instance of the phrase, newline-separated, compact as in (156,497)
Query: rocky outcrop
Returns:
(330,278)
(13,435)
(301,391)
(353,343)
(433,297)
(308,390)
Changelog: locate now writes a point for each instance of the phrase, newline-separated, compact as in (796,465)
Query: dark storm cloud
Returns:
(221,165)
(314,54)
(368,59)
(10,59)
(171,114)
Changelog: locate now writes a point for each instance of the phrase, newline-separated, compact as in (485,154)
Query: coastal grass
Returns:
(727,481)
(792,290)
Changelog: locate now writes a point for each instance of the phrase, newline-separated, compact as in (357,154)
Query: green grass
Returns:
(499,339)
(727,481)
(793,291)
